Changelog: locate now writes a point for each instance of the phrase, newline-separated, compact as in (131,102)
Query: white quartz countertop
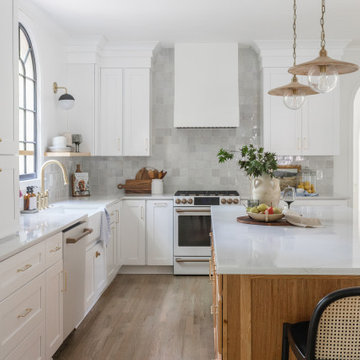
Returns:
(253,249)
(37,227)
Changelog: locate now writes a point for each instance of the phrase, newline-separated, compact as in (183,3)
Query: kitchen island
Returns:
(264,276)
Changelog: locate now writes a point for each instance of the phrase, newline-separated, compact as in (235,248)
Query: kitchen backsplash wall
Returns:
(189,155)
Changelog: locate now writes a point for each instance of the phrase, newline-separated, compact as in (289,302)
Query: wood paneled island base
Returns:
(254,308)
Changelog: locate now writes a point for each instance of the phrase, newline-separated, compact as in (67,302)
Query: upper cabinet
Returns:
(124,121)
(206,85)
(112,111)
(8,76)
(311,130)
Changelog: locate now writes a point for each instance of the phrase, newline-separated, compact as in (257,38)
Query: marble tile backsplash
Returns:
(189,155)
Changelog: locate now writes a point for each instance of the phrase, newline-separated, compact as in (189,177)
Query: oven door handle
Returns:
(194,211)
(181,260)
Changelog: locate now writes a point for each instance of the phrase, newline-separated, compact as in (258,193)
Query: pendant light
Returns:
(293,93)
(323,71)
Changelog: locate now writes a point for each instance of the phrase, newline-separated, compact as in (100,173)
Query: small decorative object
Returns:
(30,204)
(77,140)
(80,183)
(68,137)
(259,165)
(288,175)
(66,100)
(289,195)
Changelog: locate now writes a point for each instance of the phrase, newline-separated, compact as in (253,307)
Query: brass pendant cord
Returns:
(294,85)
(322,24)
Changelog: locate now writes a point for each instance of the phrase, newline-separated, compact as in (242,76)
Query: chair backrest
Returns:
(334,329)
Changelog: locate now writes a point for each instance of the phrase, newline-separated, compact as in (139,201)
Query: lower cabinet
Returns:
(54,308)
(95,273)
(111,258)
(132,226)
(159,232)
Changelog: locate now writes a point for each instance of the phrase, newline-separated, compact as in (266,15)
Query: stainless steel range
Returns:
(192,225)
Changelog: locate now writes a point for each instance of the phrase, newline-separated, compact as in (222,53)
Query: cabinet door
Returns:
(99,268)
(136,121)
(54,308)
(8,76)
(9,205)
(89,278)
(282,126)
(320,124)
(132,237)
(111,253)
(159,232)
(109,132)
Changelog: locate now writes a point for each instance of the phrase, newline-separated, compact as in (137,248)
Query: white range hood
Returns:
(206,85)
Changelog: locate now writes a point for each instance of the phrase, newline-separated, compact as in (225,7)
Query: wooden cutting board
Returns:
(132,186)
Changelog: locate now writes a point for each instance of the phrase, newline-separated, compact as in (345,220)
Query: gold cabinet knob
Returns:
(97,254)
(0,139)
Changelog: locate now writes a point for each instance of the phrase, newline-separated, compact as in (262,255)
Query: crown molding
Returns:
(279,53)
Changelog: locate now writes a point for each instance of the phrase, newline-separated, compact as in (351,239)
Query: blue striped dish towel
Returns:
(105,232)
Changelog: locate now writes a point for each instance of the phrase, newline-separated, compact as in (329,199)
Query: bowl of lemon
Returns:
(265,213)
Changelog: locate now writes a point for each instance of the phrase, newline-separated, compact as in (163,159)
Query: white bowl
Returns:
(266,217)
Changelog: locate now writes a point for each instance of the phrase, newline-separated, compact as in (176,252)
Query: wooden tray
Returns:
(132,186)
(247,220)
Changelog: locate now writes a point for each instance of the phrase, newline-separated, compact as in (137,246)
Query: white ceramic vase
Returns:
(266,189)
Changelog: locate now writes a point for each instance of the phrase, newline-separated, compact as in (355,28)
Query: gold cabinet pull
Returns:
(26,267)
(0,139)
(55,250)
(26,313)
(0,170)
(75,240)
(97,254)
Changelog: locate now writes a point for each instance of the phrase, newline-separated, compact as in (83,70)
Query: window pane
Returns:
(21,164)
(29,67)
(30,98)
(21,146)
(24,47)
(30,129)
(30,168)
(21,68)
(21,125)
(21,91)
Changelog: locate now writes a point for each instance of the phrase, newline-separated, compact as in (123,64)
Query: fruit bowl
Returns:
(265,217)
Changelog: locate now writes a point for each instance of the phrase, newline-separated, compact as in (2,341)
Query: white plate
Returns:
(59,149)
(265,217)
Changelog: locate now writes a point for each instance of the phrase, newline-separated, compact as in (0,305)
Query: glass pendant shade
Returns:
(322,79)
(293,100)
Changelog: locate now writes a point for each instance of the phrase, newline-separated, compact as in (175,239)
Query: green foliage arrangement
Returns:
(254,160)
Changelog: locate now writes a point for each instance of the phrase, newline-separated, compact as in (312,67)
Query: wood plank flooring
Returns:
(146,317)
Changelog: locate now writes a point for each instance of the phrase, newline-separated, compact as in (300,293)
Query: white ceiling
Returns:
(202,20)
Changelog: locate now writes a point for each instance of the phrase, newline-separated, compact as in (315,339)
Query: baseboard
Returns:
(134,269)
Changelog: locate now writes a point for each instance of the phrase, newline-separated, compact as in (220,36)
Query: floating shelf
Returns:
(67,154)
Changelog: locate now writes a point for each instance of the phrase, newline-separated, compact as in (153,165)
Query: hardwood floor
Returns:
(146,317)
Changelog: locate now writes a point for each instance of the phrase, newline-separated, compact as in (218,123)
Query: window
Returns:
(27,107)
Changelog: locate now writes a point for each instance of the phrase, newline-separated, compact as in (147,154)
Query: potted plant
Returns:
(259,165)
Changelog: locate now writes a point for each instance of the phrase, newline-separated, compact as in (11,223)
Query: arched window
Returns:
(27,107)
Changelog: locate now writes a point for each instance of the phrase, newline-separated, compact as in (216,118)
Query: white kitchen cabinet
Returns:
(9,205)
(110,128)
(123,127)
(95,274)
(136,115)
(132,239)
(311,130)
(111,258)
(9,78)
(159,232)
(54,308)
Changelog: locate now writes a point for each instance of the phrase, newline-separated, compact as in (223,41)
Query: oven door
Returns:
(192,226)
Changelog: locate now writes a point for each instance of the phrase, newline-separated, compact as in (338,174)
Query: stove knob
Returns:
(236,201)
(229,201)
(177,201)
(183,201)
(190,201)
(223,201)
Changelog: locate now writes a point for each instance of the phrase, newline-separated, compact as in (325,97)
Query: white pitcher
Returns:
(266,189)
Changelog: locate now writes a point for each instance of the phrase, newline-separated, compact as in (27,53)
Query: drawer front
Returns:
(32,347)
(21,268)
(20,313)
(53,249)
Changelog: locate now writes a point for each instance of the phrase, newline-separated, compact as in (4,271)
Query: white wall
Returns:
(48,42)
(344,179)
